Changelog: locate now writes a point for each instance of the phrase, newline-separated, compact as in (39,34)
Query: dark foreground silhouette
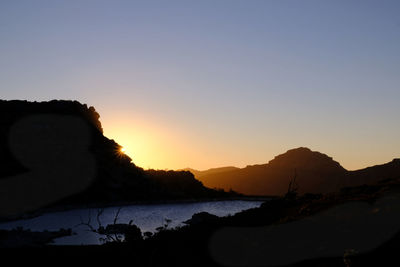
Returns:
(359,226)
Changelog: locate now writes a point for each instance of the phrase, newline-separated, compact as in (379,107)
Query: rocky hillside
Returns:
(64,141)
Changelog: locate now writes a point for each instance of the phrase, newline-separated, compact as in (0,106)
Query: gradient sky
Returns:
(213,83)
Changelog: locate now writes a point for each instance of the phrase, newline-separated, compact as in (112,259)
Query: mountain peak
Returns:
(305,158)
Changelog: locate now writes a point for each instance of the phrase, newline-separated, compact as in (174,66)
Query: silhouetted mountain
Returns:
(315,173)
(115,177)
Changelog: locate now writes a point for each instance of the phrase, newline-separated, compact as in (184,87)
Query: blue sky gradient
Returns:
(211,83)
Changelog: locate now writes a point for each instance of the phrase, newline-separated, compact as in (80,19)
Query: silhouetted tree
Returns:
(115,232)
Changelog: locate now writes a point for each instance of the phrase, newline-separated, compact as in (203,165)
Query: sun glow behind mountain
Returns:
(148,145)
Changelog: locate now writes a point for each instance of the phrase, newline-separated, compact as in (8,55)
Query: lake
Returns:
(146,217)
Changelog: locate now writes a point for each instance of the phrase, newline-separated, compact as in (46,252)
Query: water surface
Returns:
(146,217)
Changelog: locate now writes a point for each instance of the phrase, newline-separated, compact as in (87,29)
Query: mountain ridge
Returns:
(316,173)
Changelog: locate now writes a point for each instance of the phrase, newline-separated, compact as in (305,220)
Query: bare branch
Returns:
(109,235)
(88,224)
(99,213)
(116,215)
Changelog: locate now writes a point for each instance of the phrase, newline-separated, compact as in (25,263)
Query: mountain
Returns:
(315,173)
(56,150)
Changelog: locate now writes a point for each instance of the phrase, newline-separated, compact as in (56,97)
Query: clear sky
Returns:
(213,83)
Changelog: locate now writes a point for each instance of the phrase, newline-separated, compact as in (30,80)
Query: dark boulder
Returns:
(201,218)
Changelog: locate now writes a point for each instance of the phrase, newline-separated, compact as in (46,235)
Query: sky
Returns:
(216,83)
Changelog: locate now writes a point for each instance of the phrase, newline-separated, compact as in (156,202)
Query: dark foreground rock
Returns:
(26,238)
(352,212)
(201,218)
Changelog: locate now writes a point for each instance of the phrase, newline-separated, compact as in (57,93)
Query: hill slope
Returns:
(37,137)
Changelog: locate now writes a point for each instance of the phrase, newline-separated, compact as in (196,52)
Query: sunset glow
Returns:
(201,133)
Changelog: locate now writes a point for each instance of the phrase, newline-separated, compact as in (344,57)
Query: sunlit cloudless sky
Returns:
(214,83)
